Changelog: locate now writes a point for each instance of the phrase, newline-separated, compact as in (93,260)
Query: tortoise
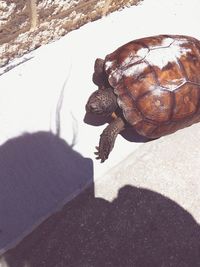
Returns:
(151,84)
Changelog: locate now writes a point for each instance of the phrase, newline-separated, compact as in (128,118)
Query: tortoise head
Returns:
(102,102)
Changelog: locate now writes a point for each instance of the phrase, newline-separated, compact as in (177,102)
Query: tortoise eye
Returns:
(141,77)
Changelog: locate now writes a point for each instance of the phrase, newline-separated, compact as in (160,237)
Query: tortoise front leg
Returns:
(108,137)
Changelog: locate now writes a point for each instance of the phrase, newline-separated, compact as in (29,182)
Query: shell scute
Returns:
(186,101)
(145,128)
(191,65)
(170,76)
(156,105)
(132,114)
(139,79)
(125,56)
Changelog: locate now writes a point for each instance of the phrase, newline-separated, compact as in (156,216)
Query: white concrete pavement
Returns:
(47,94)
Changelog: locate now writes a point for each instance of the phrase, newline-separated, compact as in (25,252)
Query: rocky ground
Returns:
(29,24)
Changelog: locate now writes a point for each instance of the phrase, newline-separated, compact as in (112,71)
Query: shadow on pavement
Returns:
(140,228)
(38,173)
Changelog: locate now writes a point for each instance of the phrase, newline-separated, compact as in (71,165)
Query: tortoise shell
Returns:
(157,83)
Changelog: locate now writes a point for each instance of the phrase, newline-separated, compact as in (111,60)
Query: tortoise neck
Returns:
(109,99)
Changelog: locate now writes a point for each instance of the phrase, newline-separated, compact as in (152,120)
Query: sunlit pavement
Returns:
(45,98)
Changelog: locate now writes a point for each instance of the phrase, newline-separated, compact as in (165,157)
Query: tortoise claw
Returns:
(101,154)
(107,139)
(97,153)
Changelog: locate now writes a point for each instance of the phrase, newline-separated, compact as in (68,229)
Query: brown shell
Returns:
(157,81)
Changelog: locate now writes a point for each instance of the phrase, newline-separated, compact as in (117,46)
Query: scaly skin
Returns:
(108,137)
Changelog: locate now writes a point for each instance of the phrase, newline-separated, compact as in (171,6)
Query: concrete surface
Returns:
(145,197)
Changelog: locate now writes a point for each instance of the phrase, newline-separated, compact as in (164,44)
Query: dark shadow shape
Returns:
(96,120)
(38,173)
(132,136)
(140,228)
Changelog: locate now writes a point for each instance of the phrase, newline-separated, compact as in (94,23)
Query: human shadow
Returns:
(38,174)
(140,228)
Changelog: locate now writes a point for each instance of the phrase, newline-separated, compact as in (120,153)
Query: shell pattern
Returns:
(157,81)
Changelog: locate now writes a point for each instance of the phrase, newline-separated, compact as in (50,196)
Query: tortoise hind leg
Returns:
(108,137)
